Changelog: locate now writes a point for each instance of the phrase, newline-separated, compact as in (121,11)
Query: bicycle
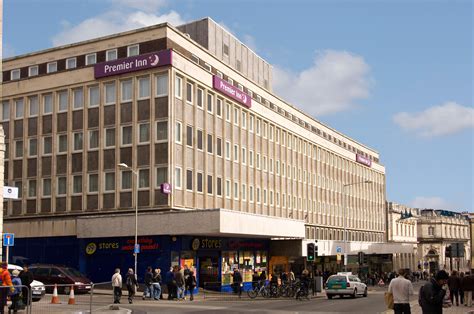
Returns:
(259,288)
(302,291)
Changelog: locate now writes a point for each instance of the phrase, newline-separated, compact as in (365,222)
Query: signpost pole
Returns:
(7,254)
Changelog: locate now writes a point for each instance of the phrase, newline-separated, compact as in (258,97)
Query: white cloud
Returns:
(433,202)
(114,21)
(448,118)
(335,80)
(146,5)
(250,42)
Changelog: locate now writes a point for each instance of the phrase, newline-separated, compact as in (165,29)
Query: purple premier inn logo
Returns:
(366,161)
(229,90)
(165,188)
(131,64)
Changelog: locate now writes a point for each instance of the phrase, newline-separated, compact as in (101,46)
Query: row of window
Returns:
(331,234)
(93,139)
(71,63)
(92,93)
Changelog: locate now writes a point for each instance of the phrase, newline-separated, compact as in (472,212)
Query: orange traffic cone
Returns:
(72,300)
(55,298)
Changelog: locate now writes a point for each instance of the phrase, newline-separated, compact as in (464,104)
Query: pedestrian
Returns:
(132,284)
(432,293)
(157,284)
(401,289)
(467,285)
(117,285)
(291,276)
(26,279)
(237,282)
(148,279)
(284,278)
(255,279)
(461,291)
(180,284)
(6,285)
(15,293)
(191,284)
(170,284)
(454,284)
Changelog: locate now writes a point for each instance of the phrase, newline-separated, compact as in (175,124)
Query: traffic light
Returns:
(310,252)
(448,252)
(316,250)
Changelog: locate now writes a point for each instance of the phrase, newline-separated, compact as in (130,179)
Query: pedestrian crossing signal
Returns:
(310,252)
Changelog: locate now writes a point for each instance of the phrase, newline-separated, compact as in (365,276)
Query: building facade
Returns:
(224,167)
(443,241)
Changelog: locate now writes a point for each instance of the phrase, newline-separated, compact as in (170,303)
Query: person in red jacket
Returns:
(6,281)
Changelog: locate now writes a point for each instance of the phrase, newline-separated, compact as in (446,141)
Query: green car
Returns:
(345,284)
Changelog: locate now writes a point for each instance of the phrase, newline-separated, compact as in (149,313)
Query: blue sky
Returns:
(393,75)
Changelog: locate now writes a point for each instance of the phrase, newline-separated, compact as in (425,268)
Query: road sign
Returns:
(338,249)
(8,239)
(136,249)
(10,192)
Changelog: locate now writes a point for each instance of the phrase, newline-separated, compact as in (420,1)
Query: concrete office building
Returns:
(227,171)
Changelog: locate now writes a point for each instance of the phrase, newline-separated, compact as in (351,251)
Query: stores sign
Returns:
(132,64)
(363,160)
(231,91)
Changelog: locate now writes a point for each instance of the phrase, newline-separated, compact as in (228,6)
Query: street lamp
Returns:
(345,216)
(135,172)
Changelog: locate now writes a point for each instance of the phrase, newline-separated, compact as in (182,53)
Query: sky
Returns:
(396,76)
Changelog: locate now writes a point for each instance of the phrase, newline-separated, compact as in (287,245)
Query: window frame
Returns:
(130,47)
(15,75)
(89,55)
(30,68)
(107,58)
(52,67)
(67,63)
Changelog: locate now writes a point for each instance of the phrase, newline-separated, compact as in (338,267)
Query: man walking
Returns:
(467,285)
(117,285)
(454,283)
(401,288)
(432,293)
(148,284)
(237,282)
(26,279)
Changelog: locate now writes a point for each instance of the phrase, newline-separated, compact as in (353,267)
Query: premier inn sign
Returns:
(132,64)
(231,91)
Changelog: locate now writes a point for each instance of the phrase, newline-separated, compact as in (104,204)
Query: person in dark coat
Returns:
(467,285)
(170,284)
(432,293)
(461,291)
(148,278)
(132,283)
(191,284)
(237,282)
(454,283)
(26,279)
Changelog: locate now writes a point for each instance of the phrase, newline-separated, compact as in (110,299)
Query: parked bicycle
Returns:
(260,288)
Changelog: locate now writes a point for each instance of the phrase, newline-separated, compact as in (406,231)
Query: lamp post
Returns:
(135,172)
(345,216)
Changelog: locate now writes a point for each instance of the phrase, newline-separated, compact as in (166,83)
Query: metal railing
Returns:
(12,297)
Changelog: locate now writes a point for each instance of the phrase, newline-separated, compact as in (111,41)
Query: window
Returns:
(62,143)
(219,107)
(244,120)
(258,161)
(208,67)
(110,96)
(199,140)
(110,181)
(226,49)
(33,70)
(15,74)
(210,183)
(62,186)
(227,150)
(19,149)
(209,103)
(126,180)
(231,81)
(236,191)
(264,163)
(259,122)
(219,186)
(126,135)
(5,111)
(236,116)
(178,135)
(244,192)
(78,140)
(189,93)
(265,127)
(126,90)
(33,147)
(431,231)
(133,50)
(200,98)
(162,176)
(199,182)
(251,194)
(227,188)
(47,145)
(236,152)
(62,101)
(189,135)
(19,108)
(209,143)
(144,132)
(178,87)
(219,147)
(143,87)
(71,63)
(227,112)
(33,102)
(46,187)
(177,176)
(258,195)
(91,59)
(111,55)
(195,58)
(143,178)
(51,67)
(244,155)
(189,180)
(93,183)
(219,74)
(77,184)
(251,158)
(162,131)
(93,139)
(94,97)
(109,137)
(162,85)
(78,98)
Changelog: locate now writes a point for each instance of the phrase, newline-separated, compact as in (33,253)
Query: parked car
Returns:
(63,276)
(37,287)
(345,284)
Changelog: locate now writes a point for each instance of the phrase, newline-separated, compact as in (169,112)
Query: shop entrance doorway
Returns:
(209,270)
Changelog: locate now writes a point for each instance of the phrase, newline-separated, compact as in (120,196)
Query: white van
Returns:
(37,287)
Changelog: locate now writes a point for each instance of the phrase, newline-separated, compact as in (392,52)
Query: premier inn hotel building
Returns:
(229,174)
